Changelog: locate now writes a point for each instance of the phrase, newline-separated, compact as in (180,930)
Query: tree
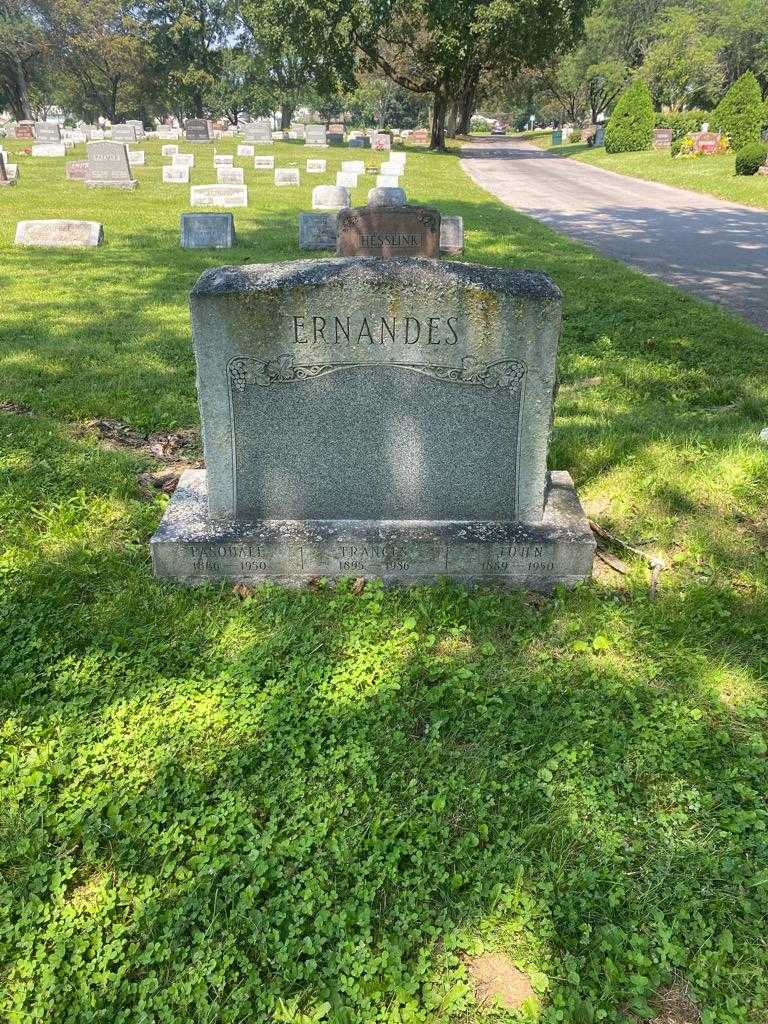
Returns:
(238,89)
(100,52)
(740,112)
(23,48)
(296,52)
(187,38)
(682,66)
(630,126)
(443,49)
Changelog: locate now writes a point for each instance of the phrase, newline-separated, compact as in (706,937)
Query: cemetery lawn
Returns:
(321,805)
(712,175)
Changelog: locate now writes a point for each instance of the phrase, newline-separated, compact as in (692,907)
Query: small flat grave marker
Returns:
(264,163)
(387,181)
(353,166)
(245,150)
(230,175)
(169,150)
(286,176)
(183,160)
(49,149)
(346,180)
(136,157)
(316,166)
(58,234)
(175,174)
(219,195)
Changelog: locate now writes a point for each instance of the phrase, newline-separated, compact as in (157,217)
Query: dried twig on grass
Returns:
(603,537)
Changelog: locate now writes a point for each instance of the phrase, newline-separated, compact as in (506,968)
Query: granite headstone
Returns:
(375,418)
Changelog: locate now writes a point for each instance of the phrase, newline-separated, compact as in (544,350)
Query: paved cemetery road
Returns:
(717,250)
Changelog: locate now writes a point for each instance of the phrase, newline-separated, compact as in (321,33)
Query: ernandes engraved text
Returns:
(407,330)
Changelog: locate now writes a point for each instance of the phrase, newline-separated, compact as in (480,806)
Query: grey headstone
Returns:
(258,131)
(58,234)
(108,165)
(329,197)
(317,231)
(138,127)
(5,178)
(315,135)
(358,143)
(47,131)
(207,231)
(196,130)
(452,235)
(385,418)
(77,170)
(386,196)
(123,133)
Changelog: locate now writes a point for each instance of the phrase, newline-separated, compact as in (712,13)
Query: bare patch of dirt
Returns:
(495,979)
(675,1005)
(165,479)
(15,408)
(118,436)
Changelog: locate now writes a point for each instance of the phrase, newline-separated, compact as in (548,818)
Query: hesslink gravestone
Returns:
(375,418)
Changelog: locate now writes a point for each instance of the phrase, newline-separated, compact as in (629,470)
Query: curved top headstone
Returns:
(330,197)
(386,196)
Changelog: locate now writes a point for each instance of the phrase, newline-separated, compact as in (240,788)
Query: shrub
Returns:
(575,136)
(751,157)
(682,122)
(739,114)
(631,124)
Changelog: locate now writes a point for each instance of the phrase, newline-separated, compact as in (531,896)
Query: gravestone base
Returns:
(130,185)
(192,548)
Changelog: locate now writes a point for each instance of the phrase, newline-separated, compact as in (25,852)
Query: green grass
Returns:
(712,175)
(306,806)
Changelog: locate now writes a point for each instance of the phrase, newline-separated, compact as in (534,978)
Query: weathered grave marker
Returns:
(329,197)
(47,131)
(49,149)
(77,170)
(264,163)
(109,165)
(662,138)
(315,135)
(123,133)
(316,166)
(386,197)
(58,234)
(228,175)
(207,231)
(196,130)
(317,230)
(286,176)
(219,195)
(175,174)
(375,418)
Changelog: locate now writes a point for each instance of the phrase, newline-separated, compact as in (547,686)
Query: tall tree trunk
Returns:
(467,102)
(24,106)
(439,111)
(452,119)
(286,115)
